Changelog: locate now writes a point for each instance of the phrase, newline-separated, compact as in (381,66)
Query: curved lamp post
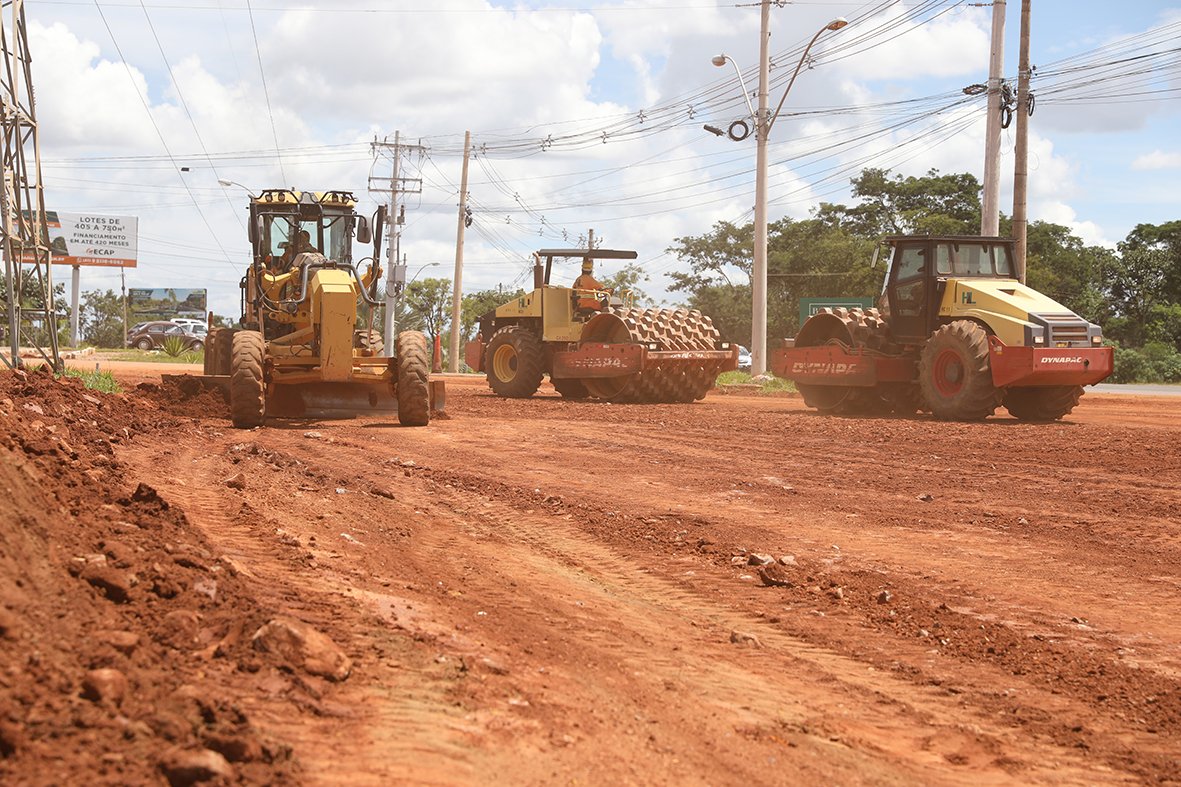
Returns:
(227,183)
(763,123)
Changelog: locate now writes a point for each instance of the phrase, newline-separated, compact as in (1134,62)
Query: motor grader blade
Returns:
(329,400)
(336,400)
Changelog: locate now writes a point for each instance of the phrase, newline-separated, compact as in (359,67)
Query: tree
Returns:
(1059,265)
(475,305)
(101,318)
(627,280)
(33,297)
(935,204)
(429,302)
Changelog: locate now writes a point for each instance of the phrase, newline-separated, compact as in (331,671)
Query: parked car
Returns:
(152,335)
(744,361)
(190,322)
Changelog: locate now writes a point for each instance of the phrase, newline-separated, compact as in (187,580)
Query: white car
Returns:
(188,322)
(744,360)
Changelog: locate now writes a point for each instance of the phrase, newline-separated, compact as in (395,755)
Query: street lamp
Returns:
(227,183)
(763,123)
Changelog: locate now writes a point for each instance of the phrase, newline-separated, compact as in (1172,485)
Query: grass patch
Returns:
(96,381)
(154,356)
(772,385)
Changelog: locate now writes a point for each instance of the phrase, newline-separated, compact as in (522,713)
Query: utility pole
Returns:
(457,283)
(990,219)
(1021,147)
(394,186)
(758,346)
(24,239)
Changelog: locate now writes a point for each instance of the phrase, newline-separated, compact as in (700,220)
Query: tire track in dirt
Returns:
(788,683)
(390,721)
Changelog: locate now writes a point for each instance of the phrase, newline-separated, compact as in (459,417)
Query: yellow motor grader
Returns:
(299,351)
(592,344)
(955,334)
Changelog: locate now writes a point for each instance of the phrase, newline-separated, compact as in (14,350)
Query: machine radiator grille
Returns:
(1066,330)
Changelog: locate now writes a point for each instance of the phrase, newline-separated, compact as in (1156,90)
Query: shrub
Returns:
(174,346)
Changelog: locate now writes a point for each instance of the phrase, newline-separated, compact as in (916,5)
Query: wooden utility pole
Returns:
(457,284)
(990,205)
(1021,148)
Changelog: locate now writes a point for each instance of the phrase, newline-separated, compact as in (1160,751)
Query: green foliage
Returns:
(627,280)
(934,203)
(95,380)
(173,346)
(101,318)
(1156,362)
(477,304)
(429,302)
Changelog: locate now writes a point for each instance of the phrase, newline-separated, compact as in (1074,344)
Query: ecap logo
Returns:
(100,252)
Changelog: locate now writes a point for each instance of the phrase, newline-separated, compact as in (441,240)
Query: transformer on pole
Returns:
(29,312)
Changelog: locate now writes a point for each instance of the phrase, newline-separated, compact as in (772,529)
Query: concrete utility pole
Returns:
(1021,147)
(457,282)
(395,274)
(990,218)
(758,345)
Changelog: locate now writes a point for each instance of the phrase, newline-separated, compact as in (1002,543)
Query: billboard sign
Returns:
(166,302)
(86,239)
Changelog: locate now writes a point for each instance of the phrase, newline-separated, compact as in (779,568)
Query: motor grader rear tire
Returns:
(368,340)
(955,375)
(513,362)
(247,385)
(414,367)
(1047,403)
(570,388)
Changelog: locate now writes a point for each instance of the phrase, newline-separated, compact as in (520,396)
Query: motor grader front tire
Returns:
(514,362)
(1048,403)
(955,375)
(247,383)
(413,387)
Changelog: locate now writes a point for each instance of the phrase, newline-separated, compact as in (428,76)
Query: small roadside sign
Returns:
(809,306)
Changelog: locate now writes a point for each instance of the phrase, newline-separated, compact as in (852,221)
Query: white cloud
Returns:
(1157,159)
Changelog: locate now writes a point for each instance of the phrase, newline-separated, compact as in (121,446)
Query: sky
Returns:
(583,115)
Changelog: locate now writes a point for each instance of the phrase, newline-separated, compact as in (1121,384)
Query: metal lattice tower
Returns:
(28,308)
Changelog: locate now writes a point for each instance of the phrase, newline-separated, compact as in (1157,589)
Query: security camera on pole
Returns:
(763,123)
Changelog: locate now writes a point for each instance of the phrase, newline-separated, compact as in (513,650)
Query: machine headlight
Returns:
(1096,339)
(1039,339)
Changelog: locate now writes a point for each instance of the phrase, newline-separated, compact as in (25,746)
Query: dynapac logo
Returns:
(823,367)
(1062,359)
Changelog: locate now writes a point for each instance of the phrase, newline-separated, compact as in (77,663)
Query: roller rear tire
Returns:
(955,374)
(247,384)
(1048,403)
(413,387)
(570,388)
(514,362)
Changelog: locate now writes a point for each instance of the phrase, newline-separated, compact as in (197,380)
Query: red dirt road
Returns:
(542,591)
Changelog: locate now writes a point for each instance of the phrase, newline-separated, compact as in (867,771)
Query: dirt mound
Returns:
(187,395)
(126,639)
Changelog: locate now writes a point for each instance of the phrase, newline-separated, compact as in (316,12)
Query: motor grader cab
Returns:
(955,333)
(299,350)
(593,343)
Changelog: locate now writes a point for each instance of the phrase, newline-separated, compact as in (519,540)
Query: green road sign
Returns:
(809,306)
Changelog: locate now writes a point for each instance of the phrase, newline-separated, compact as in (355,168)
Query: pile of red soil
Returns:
(124,639)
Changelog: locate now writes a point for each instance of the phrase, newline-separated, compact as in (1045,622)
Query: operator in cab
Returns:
(587,281)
